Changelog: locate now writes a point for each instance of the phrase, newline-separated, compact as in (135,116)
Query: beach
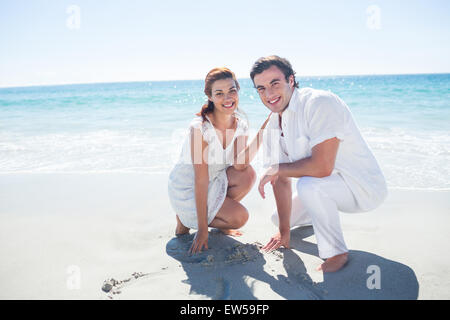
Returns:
(63,235)
(84,202)
(97,101)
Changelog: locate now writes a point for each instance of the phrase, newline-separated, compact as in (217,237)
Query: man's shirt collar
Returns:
(292,107)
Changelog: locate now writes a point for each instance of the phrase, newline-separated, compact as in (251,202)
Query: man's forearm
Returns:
(320,164)
(282,190)
(304,167)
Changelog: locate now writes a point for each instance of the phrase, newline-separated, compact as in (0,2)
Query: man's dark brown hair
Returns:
(264,63)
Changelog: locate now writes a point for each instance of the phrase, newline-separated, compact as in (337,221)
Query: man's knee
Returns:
(308,189)
(282,182)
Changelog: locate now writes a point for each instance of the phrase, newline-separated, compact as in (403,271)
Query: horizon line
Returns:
(175,80)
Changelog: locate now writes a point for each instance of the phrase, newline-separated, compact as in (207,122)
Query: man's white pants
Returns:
(318,202)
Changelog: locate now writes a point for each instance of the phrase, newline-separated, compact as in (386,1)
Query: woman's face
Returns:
(224,95)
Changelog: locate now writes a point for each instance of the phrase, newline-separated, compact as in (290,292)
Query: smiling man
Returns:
(312,136)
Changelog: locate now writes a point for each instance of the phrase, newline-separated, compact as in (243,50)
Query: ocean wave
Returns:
(417,160)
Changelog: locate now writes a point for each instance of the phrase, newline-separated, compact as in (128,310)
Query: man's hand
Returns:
(271,175)
(277,241)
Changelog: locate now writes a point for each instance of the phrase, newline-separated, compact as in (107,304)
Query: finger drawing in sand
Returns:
(239,150)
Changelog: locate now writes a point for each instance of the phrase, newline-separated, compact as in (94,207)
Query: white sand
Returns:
(112,225)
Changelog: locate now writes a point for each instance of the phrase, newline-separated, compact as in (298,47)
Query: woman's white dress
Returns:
(181,185)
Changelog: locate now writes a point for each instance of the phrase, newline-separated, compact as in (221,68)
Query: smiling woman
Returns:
(224,81)
(207,184)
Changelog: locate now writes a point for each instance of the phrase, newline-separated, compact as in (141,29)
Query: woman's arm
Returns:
(198,148)
(244,156)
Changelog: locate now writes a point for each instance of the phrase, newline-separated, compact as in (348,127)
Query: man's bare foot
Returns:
(181,229)
(231,232)
(334,263)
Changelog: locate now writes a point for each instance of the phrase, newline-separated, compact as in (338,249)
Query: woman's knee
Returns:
(245,177)
(250,176)
(240,217)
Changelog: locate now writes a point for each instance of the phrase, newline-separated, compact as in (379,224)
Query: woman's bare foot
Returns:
(181,229)
(231,232)
(334,263)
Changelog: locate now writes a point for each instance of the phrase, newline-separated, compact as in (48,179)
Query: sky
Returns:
(84,41)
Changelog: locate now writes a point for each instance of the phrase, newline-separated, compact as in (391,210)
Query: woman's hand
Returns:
(200,241)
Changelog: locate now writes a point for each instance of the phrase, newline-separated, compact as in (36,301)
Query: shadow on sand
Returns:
(234,270)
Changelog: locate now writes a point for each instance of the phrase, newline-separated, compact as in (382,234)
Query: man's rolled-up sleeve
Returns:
(327,118)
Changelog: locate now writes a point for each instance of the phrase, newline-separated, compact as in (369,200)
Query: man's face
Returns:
(275,92)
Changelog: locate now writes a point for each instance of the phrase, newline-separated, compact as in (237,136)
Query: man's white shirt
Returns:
(312,117)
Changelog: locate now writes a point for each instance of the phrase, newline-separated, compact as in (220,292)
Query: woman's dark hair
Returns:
(264,63)
(212,76)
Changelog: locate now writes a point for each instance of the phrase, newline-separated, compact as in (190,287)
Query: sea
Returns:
(138,127)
